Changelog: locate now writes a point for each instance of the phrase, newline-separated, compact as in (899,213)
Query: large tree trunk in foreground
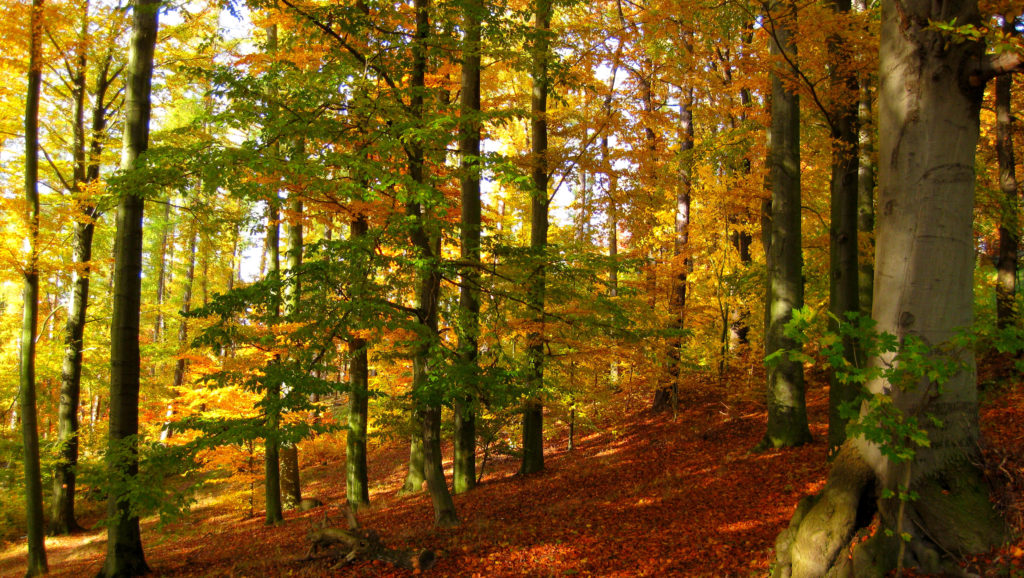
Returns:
(924,272)
(124,542)
(787,412)
(30,319)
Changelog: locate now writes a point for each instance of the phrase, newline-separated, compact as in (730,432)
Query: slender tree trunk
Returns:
(844,267)
(533,407)
(357,487)
(787,412)
(291,487)
(464,467)
(161,275)
(272,252)
(180,365)
(1009,226)
(62,517)
(865,188)
(124,543)
(666,397)
(30,435)
(428,243)
(272,451)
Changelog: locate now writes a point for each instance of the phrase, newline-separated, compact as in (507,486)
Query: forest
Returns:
(511,287)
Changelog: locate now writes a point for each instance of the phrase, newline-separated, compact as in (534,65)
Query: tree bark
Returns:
(124,543)
(291,488)
(787,411)
(87,169)
(180,365)
(464,466)
(357,488)
(428,244)
(29,430)
(272,395)
(533,408)
(272,450)
(1009,226)
(844,266)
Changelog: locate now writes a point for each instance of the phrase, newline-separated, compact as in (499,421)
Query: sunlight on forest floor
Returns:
(645,495)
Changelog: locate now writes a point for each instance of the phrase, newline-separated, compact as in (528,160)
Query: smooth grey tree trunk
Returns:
(180,365)
(36,562)
(533,406)
(464,466)
(787,410)
(124,542)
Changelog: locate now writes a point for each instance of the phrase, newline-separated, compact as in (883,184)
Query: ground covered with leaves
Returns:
(640,495)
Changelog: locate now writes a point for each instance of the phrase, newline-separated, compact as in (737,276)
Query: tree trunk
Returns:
(291,488)
(86,170)
(929,123)
(30,435)
(787,412)
(464,466)
(415,477)
(865,189)
(357,488)
(161,275)
(124,542)
(533,408)
(1009,226)
(272,451)
(428,244)
(272,395)
(844,267)
(667,397)
(186,305)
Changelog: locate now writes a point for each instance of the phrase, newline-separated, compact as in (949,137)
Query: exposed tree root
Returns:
(950,518)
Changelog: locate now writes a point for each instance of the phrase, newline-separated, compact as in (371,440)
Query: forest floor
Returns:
(641,495)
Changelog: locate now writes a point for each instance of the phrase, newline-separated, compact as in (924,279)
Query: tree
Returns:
(1009,227)
(533,407)
(934,501)
(787,411)
(844,270)
(86,170)
(124,542)
(428,244)
(357,487)
(30,322)
(464,470)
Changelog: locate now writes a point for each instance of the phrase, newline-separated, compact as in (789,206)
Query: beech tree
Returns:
(787,410)
(533,406)
(30,322)
(931,84)
(124,542)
